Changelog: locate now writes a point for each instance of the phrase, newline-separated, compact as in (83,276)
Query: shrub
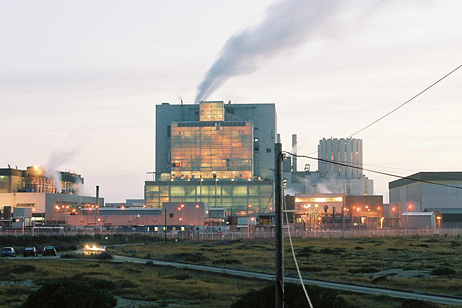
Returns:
(70,294)
(105,256)
(294,298)
(444,271)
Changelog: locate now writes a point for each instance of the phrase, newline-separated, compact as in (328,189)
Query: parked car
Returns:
(8,252)
(30,251)
(48,251)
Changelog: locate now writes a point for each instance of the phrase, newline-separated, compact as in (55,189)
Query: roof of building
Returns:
(427,177)
(445,210)
(417,214)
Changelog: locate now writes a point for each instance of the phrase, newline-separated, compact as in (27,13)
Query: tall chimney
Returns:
(294,151)
(97,195)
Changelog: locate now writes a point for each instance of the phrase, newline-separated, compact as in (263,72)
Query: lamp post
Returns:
(409,206)
(145,214)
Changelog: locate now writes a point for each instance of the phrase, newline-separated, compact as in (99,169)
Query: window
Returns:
(170,215)
(169,130)
(268,150)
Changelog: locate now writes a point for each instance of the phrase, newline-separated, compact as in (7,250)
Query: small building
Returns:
(448,217)
(416,220)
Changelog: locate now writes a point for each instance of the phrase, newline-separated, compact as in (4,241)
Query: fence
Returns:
(232,235)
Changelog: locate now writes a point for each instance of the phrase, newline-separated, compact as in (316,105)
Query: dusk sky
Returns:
(79,80)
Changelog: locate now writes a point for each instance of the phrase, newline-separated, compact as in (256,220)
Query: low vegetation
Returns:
(428,264)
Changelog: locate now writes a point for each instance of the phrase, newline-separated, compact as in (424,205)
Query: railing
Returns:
(243,234)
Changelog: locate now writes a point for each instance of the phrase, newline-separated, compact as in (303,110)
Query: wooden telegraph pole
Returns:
(278,224)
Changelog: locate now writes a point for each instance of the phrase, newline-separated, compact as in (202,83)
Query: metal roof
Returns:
(427,176)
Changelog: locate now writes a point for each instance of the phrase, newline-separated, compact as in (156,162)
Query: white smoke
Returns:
(288,24)
(56,160)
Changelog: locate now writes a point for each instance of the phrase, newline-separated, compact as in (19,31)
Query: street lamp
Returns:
(407,214)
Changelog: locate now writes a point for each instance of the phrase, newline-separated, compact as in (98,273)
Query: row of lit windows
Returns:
(210,124)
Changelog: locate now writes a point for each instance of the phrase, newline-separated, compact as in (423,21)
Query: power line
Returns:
(403,104)
(406,102)
(374,171)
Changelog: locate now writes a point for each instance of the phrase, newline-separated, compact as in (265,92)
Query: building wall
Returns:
(345,151)
(418,196)
(234,196)
(313,183)
(262,116)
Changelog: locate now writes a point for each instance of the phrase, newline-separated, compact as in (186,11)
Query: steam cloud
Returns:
(56,160)
(287,24)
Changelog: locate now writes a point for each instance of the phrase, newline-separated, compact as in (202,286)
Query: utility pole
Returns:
(278,225)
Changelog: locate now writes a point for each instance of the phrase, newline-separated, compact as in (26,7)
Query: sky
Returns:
(79,80)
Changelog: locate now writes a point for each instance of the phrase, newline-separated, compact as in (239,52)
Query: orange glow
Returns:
(249,206)
(204,145)
(144,205)
(358,209)
(182,205)
(122,207)
(252,218)
(393,209)
(181,219)
(57,207)
(379,208)
(410,206)
(438,217)
(179,208)
(197,206)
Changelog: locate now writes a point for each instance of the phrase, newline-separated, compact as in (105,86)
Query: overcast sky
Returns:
(79,80)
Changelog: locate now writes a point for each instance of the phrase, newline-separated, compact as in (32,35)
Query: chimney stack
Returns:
(294,150)
(97,195)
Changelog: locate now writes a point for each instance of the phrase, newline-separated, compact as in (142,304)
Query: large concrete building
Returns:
(335,154)
(213,152)
(424,190)
(49,197)
(333,175)
(431,192)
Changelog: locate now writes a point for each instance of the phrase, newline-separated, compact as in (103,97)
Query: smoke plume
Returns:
(287,25)
(57,159)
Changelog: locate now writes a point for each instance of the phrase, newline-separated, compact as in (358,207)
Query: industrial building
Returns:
(437,192)
(32,196)
(333,176)
(335,211)
(221,154)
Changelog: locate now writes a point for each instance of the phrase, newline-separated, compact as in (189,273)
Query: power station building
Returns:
(334,174)
(217,153)
(34,196)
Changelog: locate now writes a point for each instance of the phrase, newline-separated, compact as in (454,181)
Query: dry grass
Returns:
(349,260)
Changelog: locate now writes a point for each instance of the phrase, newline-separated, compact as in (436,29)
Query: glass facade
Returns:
(212,149)
(237,197)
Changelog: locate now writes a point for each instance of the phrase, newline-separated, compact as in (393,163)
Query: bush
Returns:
(444,271)
(294,298)
(105,256)
(70,294)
